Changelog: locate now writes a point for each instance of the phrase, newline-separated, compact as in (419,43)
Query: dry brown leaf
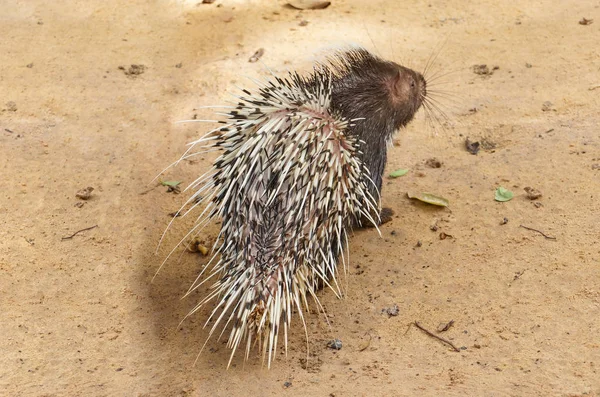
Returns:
(309,4)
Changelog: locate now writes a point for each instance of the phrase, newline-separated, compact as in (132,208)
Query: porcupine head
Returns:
(301,161)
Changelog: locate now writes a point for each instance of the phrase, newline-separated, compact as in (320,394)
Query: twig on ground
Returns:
(540,232)
(456,349)
(79,231)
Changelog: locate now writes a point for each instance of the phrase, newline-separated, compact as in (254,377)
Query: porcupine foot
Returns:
(385,216)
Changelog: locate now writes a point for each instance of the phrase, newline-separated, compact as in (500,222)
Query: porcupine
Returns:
(301,164)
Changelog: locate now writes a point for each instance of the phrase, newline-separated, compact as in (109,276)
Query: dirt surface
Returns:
(90,95)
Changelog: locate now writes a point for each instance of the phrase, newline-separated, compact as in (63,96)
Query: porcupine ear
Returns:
(399,87)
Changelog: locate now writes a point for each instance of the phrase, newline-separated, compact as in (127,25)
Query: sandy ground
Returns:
(81,316)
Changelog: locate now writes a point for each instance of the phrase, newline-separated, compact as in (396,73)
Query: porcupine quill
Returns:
(301,163)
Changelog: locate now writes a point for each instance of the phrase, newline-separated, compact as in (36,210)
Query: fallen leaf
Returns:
(364,344)
(170,183)
(397,173)
(309,4)
(257,55)
(430,199)
(503,194)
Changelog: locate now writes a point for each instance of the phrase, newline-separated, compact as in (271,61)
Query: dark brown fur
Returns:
(384,96)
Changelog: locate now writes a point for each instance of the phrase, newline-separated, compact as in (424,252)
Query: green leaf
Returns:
(170,183)
(430,199)
(503,194)
(397,173)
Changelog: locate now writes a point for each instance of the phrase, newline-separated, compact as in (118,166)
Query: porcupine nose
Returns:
(421,89)
(423,85)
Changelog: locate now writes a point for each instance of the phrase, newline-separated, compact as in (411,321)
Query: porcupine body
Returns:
(301,163)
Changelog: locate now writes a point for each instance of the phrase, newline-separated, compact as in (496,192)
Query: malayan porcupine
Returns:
(301,164)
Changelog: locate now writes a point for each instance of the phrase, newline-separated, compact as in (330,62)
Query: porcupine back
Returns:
(293,176)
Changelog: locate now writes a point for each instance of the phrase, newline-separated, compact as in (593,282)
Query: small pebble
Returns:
(335,344)
(393,310)
(85,194)
(532,194)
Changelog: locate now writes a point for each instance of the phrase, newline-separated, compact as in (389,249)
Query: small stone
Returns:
(393,311)
(335,344)
(472,147)
(532,194)
(85,194)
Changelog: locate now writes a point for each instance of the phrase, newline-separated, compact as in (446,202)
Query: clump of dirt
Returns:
(133,71)
(85,194)
(532,194)
(484,70)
